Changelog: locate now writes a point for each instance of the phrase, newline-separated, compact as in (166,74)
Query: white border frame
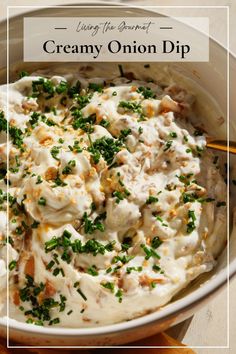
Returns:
(124,5)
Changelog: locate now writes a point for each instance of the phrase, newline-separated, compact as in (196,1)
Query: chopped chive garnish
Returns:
(219,204)
(168,145)
(156,268)
(42,201)
(108,285)
(191,224)
(150,252)
(173,134)
(119,294)
(151,199)
(156,242)
(92,270)
(50,265)
(12,265)
(82,294)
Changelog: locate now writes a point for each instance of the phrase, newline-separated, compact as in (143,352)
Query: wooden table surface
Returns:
(208,327)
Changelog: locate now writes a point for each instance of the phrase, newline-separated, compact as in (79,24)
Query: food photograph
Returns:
(117,177)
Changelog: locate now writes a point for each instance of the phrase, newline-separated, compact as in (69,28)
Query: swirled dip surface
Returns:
(114,203)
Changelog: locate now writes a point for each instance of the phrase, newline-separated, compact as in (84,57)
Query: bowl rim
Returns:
(168,311)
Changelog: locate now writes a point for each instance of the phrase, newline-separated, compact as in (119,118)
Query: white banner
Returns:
(138,39)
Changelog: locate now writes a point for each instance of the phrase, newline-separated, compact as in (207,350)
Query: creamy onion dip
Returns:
(115,204)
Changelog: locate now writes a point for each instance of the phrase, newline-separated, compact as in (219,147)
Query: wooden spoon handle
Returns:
(221,145)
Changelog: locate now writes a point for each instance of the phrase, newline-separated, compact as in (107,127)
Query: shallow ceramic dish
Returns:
(209,82)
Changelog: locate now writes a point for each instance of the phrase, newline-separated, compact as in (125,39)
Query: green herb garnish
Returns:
(151,199)
(42,201)
(219,204)
(168,145)
(191,224)
(131,106)
(55,151)
(12,265)
(108,285)
(146,92)
(156,242)
(149,252)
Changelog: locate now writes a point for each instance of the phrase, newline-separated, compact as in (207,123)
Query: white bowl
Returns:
(209,80)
